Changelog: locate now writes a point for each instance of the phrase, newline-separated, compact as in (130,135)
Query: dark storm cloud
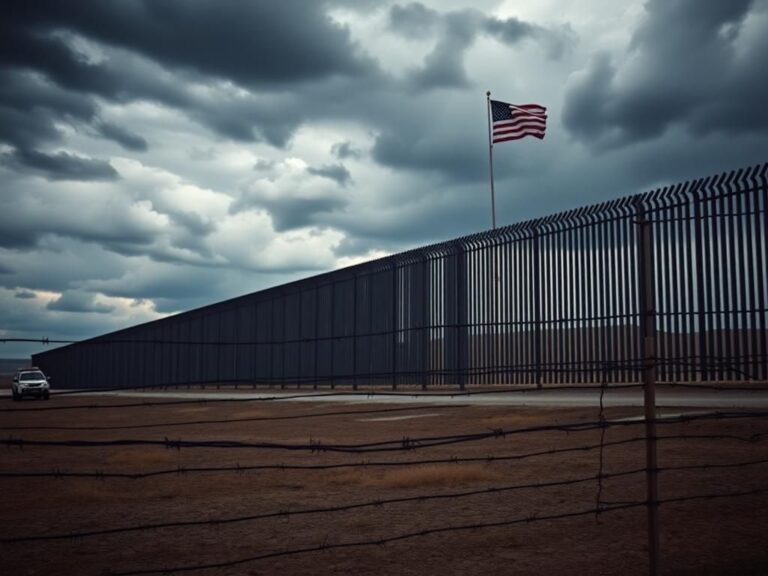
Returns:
(60,266)
(363,6)
(355,245)
(23,129)
(192,222)
(172,289)
(73,301)
(457,30)
(24,295)
(251,119)
(292,213)
(412,20)
(62,165)
(20,236)
(37,322)
(30,319)
(229,40)
(701,66)
(33,51)
(336,172)
(26,225)
(263,165)
(50,81)
(511,31)
(47,74)
(345,150)
(29,111)
(295,196)
(302,211)
(25,94)
(427,151)
(125,138)
(432,213)
(443,67)
(153,51)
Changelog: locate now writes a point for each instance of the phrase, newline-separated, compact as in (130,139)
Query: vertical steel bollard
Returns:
(536,263)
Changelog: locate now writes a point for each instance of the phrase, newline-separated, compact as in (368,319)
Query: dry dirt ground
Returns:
(698,537)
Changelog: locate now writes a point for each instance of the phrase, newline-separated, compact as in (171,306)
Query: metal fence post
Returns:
(648,343)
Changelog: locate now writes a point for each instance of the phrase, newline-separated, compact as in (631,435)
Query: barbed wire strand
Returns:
(378,503)
(404,443)
(241,468)
(321,510)
(325,546)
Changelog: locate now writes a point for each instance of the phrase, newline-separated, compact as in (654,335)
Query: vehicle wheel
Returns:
(16,397)
(46,395)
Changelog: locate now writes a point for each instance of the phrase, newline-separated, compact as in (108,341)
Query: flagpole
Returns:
(490,160)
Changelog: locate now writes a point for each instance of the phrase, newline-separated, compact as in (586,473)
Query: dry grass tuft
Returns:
(423,476)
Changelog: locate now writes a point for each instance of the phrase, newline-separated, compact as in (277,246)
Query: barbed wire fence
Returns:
(403,445)
(600,509)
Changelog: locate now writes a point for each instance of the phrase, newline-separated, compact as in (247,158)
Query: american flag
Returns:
(515,121)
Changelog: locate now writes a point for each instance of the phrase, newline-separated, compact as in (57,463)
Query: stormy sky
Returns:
(156,156)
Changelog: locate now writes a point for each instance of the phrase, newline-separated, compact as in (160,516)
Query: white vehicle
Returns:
(30,382)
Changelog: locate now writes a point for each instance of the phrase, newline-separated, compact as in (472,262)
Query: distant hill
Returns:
(10,365)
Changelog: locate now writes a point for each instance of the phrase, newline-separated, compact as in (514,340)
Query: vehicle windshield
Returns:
(31,376)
